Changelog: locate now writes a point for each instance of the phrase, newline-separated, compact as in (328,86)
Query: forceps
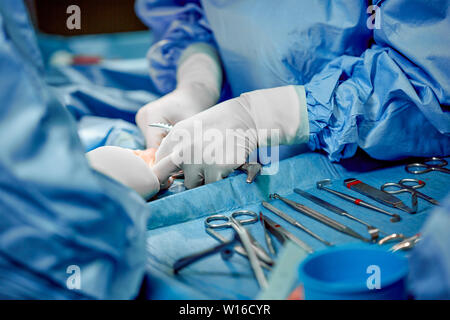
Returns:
(252,248)
(430,164)
(403,186)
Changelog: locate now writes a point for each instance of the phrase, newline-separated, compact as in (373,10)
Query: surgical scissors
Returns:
(430,164)
(252,248)
(238,248)
(403,186)
(260,252)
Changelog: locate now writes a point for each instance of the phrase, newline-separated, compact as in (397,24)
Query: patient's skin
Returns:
(147,155)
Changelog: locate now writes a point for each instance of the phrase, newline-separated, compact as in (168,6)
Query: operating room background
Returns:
(98,16)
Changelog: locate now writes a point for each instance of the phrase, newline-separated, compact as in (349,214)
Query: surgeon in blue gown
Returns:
(336,75)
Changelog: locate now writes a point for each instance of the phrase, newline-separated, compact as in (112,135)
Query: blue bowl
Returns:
(354,272)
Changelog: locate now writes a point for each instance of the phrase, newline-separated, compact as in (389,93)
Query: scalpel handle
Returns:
(361,203)
(371,192)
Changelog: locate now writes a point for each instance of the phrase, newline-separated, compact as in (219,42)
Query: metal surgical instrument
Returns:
(373,231)
(252,169)
(320,217)
(282,234)
(237,247)
(226,223)
(403,186)
(225,249)
(294,222)
(428,166)
(246,239)
(406,244)
(378,195)
(321,185)
(391,237)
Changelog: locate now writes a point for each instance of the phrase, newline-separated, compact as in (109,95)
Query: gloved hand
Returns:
(130,167)
(211,144)
(199,81)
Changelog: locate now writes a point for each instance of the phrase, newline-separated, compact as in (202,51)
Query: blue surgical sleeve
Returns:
(176,25)
(393,100)
(429,276)
(66,231)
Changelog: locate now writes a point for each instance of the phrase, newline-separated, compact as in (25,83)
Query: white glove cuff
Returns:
(281,108)
(200,65)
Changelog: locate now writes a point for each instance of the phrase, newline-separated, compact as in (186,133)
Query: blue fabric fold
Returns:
(55,211)
(371,103)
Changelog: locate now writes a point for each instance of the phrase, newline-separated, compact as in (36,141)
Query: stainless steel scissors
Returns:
(252,248)
(427,165)
(238,248)
(405,185)
(239,216)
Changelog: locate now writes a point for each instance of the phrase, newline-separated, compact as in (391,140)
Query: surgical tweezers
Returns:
(294,222)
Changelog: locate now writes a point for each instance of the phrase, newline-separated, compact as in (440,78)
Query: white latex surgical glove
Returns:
(130,167)
(199,81)
(213,143)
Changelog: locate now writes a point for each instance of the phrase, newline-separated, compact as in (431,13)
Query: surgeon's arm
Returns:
(183,64)
(211,144)
(365,101)
(199,82)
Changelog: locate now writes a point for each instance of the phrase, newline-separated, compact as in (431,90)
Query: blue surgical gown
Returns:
(59,220)
(379,84)
(429,276)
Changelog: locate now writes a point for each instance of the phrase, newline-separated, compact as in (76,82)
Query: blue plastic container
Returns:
(354,272)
